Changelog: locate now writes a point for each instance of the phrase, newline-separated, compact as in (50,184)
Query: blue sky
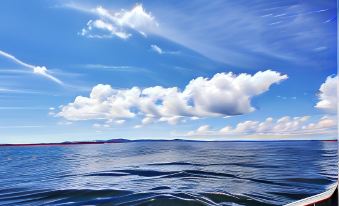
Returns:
(86,70)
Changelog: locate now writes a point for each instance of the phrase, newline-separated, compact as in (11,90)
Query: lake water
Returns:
(167,173)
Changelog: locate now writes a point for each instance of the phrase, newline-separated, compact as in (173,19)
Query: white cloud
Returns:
(40,70)
(137,126)
(228,94)
(120,121)
(109,123)
(171,120)
(104,102)
(147,120)
(203,128)
(96,125)
(156,49)
(159,50)
(328,95)
(326,122)
(200,29)
(284,126)
(225,94)
(99,24)
(119,23)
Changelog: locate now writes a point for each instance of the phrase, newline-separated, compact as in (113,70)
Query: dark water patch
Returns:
(139,199)
(63,196)
(16,194)
(238,199)
(169,200)
(292,196)
(119,173)
(259,198)
(108,174)
(144,173)
(198,173)
(265,181)
(176,164)
(123,200)
(321,181)
(161,188)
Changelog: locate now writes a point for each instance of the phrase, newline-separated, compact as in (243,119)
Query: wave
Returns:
(180,174)
(243,164)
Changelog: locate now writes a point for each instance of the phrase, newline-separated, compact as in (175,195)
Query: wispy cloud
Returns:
(319,49)
(39,70)
(330,20)
(156,49)
(19,91)
(14,71)
(286,98)
(19,126)
(114,68)
(23,108)
(225,40)
(159,50)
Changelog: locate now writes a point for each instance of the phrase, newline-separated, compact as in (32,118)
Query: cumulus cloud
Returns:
(109,123)
(119,24)
(104,102)
(203,128)
(328,95)
(324,123)
(229,94)
(40,70)
(225,94)
(284,126)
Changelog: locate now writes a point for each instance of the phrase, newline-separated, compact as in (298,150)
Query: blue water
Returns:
(167,173)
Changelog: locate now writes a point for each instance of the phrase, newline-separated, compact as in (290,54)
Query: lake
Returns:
(167,173)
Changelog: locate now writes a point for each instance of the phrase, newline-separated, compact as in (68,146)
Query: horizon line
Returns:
(122,140)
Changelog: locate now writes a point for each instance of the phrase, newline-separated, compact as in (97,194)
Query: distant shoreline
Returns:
(51,144)
(143,140)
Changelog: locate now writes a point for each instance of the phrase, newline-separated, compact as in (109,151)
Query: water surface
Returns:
(167,173)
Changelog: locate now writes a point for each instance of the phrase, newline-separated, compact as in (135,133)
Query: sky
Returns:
(200,70)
